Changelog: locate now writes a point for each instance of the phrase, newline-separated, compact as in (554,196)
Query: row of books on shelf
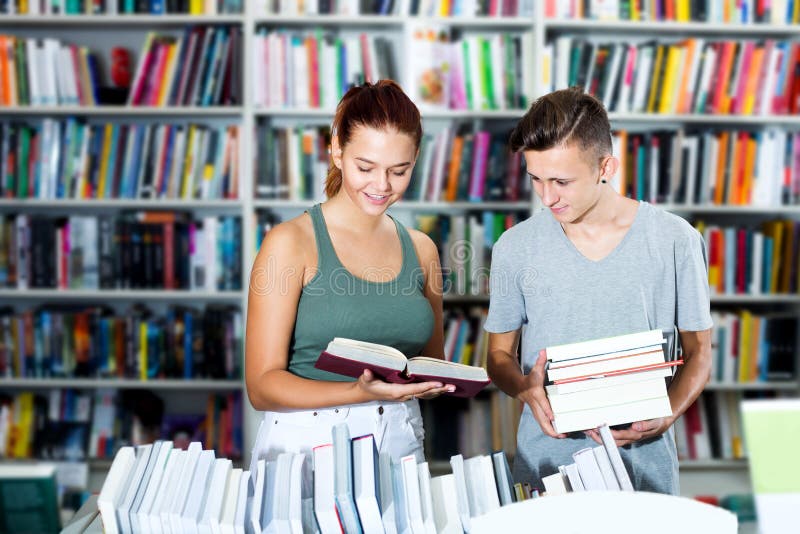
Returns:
(120,7)
(711,428)
(422,8)
(465,243)
(719,167)
(694,75)
(752,347)
(468,71)
(73,159)
(73,425)
(202,67)
(713,11)
(471,426)
(137,250)
(46,72)
(292,162)
(57,341)
(457,164)
(313,69)
(753,261)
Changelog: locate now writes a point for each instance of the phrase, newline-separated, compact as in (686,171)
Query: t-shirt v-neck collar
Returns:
(619,246)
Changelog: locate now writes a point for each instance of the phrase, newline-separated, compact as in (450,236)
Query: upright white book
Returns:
(173,514)
(591,477)
(211,514)
(365,483)
(387,493)
(604,463)
(615,458)
(257,501)
(124,506)
(114,487)
(411,494)
(343,479)
(445,505)
(503,478)
(245,497)
(462,495)
(426,500)
(233,493)
(198,491)
(159,521)
(142,514)
(324,500)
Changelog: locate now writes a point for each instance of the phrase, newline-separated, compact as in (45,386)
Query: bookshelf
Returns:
(100,32)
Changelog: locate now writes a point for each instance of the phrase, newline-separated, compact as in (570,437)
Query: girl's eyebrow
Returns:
(365,160)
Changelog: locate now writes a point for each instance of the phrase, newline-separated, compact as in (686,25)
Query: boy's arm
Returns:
(505,372)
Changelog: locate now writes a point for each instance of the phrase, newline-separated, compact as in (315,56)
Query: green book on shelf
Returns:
(28,500)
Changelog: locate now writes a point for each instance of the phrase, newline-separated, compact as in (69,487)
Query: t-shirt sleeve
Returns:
(506,305)
(693,303)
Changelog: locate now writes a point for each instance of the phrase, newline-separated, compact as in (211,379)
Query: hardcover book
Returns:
(350,357)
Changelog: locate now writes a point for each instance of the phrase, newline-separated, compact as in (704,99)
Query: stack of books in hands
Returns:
(616,380)
(597,468)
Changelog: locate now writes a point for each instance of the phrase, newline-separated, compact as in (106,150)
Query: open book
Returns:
(350,357)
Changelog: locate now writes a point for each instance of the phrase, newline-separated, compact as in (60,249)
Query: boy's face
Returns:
(563,177)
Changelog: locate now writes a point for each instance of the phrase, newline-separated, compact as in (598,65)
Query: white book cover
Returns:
(343,478)
(503,478)
(115,486)
(554,484)
(473,475)
(462,495)
(605,382)
(294,510)
(608,396)
(604,345)
(574,477)
(445,505)
(411,493)
(245,498)
(324,500)
(615,458)
(274,494)
(591,476)
(217,486)
(387,493)
(153,485)
(172,516)
(124,506)
(196,498)
(172,473)
(604,464)
(612,364)
(613,415)
(365,483)
(232,496)
(257,501)
(426,499)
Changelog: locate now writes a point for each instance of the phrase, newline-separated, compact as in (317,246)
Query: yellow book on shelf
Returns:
(196,7)
(444,8)
(755,353)
(682,11)
(671,78)
(186,180)
(654,83)
(752,83)
(751,149)
(774,229)
(23,427)
(745,331)
(101,185)
(143,350)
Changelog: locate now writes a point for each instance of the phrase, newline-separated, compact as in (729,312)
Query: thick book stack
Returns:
(612,381)
(597,468)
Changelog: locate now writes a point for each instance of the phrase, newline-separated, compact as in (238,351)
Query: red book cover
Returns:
(354,368)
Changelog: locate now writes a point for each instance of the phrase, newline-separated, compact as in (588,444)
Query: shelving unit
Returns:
(248,115)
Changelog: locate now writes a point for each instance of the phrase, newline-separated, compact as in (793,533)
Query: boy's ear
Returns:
(608,168)
(336,152)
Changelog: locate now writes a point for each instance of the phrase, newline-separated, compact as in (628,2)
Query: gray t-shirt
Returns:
(656,277)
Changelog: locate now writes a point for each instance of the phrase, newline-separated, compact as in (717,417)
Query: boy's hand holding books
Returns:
(535,396)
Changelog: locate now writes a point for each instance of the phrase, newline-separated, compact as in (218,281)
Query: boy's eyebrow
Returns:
(365,160)
(531,175)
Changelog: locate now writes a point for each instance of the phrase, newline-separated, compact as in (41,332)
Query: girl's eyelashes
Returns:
(363,170)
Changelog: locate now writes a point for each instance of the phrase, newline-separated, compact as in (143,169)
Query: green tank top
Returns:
(335,303)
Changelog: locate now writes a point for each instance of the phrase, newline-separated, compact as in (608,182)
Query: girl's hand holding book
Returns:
(376,389)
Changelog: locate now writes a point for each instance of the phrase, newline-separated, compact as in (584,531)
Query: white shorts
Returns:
(396,426)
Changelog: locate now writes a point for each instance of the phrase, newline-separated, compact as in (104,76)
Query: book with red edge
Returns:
(350,357)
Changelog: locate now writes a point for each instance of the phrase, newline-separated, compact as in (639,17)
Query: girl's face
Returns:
(376,167)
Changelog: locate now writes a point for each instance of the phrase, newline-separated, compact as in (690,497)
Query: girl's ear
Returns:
(336,152)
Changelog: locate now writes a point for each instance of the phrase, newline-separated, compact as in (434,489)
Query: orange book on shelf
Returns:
(719,181)
(755,345)
(754,79)
(748,170)
(721,100)
(455,165)
(745,356)
(5,75)
(774,229)
(684,90)
(669,9)
(622,170)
